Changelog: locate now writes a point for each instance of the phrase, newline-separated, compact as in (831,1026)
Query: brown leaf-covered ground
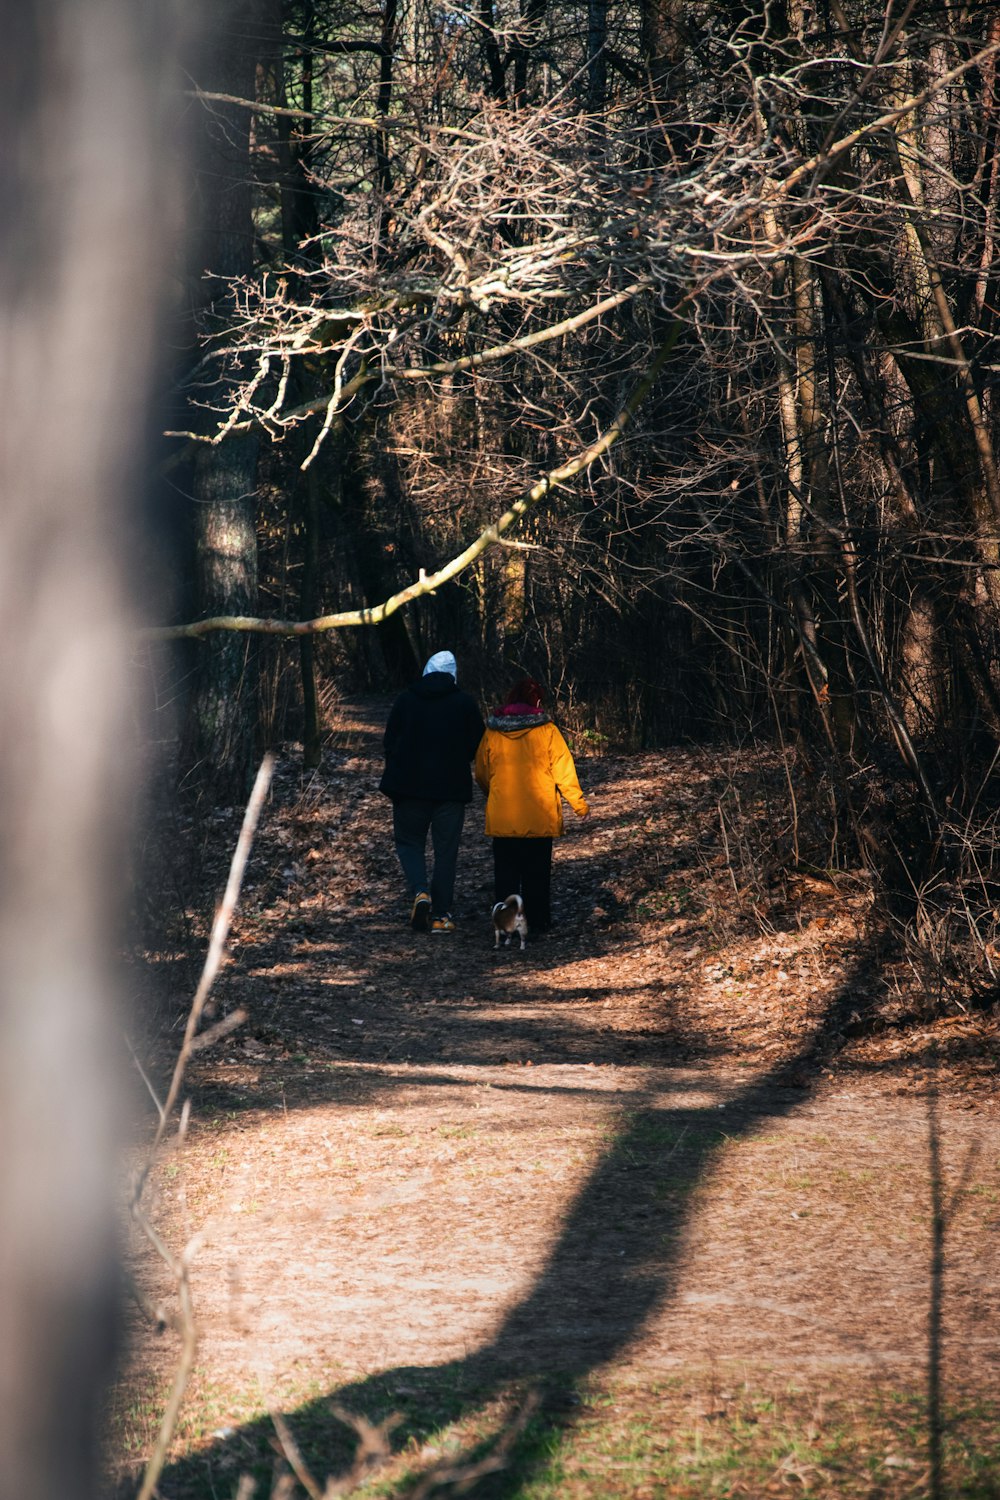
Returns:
(691,1155)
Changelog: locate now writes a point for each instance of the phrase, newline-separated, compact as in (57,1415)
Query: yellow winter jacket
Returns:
(524,766)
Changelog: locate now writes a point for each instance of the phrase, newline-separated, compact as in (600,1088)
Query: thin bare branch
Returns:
(428,583)
(217,941)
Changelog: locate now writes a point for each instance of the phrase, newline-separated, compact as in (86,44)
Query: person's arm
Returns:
(476,729)
(565,777)
(393,726)
(482,765)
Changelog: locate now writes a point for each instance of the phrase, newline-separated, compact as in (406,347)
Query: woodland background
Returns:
(649,348)
(670,331)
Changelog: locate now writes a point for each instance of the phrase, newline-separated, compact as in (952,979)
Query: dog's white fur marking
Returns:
(508,918)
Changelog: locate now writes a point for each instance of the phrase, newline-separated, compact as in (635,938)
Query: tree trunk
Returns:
(661,45)
(299,219)
(525,40)
(597,65)
(83,255)
(383,103)
(224,707)
(497,83)
(225,700)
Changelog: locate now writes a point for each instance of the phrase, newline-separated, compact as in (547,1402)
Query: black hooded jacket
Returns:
(433,732)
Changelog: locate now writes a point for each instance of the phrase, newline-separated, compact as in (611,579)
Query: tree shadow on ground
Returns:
(618,1257)
(615,1263)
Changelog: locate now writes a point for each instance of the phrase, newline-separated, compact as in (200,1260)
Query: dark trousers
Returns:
(523,867)
(412,820)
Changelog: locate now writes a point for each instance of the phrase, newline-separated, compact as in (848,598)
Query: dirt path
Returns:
(657,1144)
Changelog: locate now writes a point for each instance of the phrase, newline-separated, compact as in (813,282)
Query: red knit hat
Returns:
(525,691)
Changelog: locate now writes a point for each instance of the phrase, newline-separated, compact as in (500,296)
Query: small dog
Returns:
(508,918)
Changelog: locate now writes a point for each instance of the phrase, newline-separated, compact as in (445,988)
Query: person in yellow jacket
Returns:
(524,766)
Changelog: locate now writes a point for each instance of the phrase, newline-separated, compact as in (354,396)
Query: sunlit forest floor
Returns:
(696,1196)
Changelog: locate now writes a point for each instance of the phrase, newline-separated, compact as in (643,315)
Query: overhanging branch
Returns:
(490,536)
(385,372)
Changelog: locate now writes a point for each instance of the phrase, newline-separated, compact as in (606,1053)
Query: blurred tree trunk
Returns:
(82,258)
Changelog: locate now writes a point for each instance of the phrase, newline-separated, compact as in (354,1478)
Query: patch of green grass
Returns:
(661,901)
(980,1190)
(133,1414)
(674,1187)
(692,1436)
(644,1131)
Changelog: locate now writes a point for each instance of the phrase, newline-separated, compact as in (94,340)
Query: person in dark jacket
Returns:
(432,734)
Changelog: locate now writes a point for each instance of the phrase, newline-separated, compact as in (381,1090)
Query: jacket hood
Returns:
(442,661)
(508,723)
(435,685)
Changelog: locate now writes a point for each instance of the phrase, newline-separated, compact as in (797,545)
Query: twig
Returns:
(145,1078)
(374,1448)
(189,1345)
(209,97)
(179,1266)
(461,1476)
(219,1030)
(292,1453)
(385,372)
(220,932)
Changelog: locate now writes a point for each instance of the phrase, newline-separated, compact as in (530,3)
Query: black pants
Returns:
(412,819)
(523,867)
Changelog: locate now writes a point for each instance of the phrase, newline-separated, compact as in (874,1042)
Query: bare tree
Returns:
(224,478)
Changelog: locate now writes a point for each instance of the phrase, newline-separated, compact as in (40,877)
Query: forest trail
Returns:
(659,1152)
